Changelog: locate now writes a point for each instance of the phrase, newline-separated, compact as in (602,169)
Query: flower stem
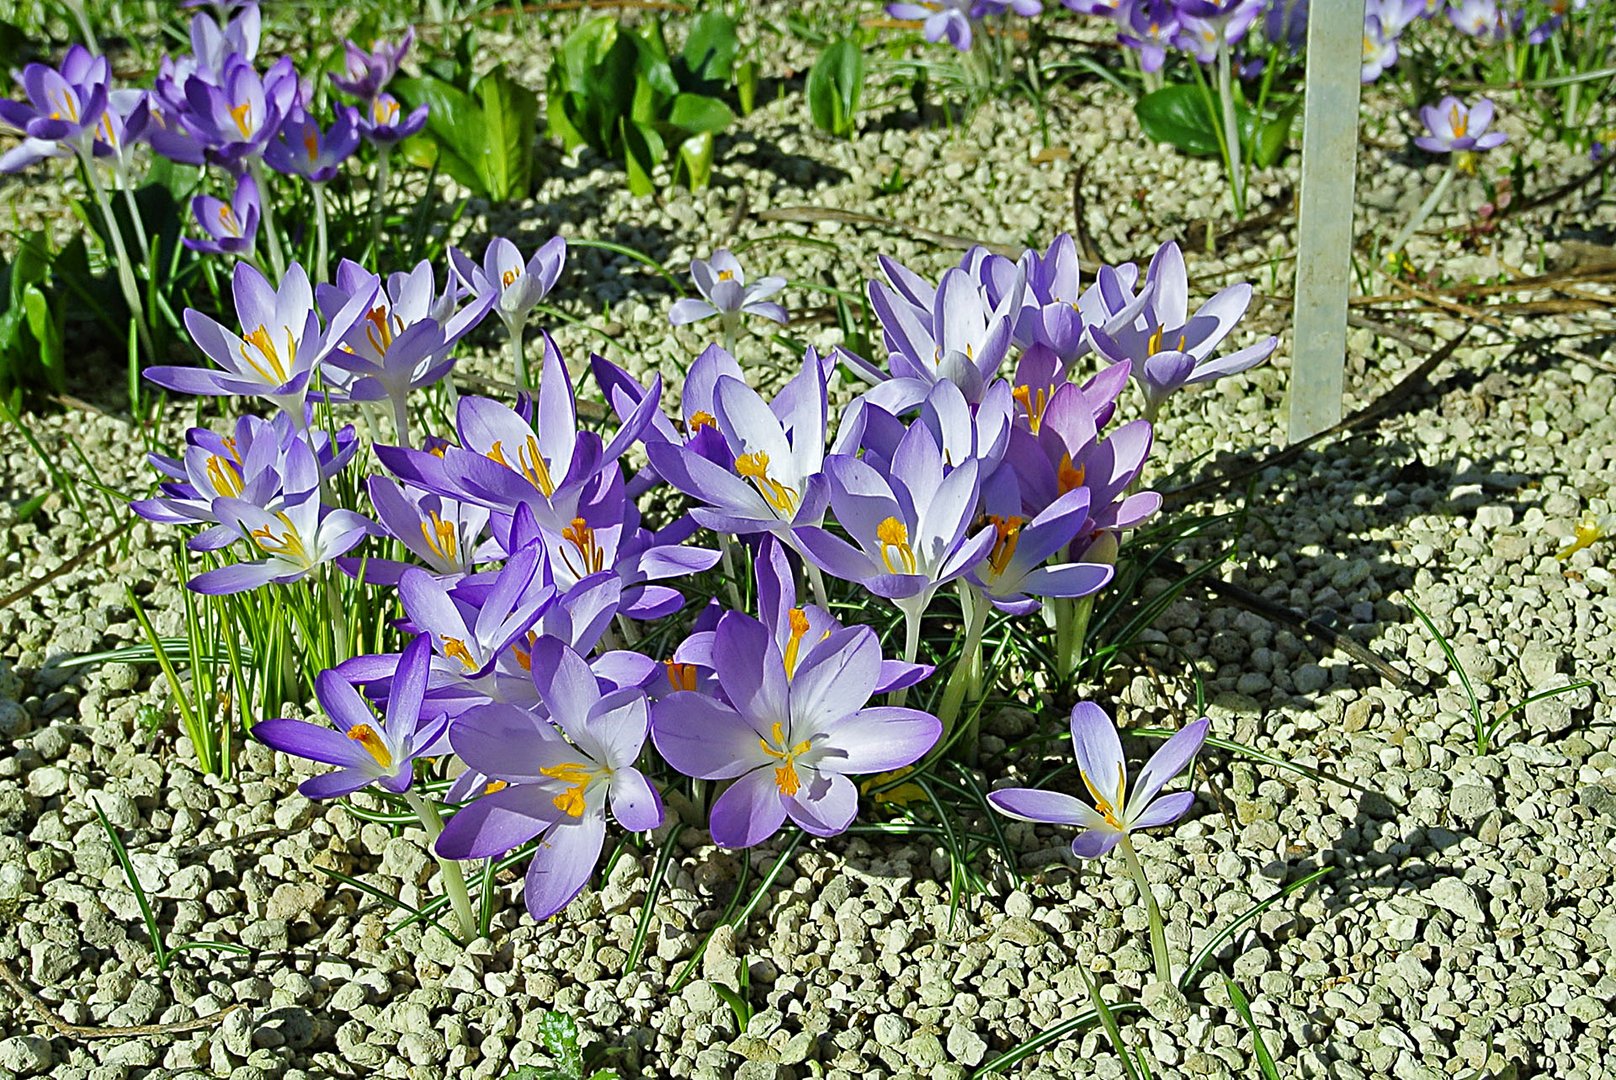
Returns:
(1231,127)
(266,200)
(817,581)
(339,617)
(962,677)
(454,881)
(319,233)
(1427,208)
(517,355)
(911,645)
(1158,932)
(726,549)
(401,420)
(1164,967)
(126,276)
(134,218)
(378,194)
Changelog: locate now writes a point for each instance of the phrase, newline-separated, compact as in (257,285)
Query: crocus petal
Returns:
(880,739)
(1099,751)
(334,785)
(1167,762)
(703,737)
(748,812)
(690,310)
(1050,807)
(1095,842)
(493,824)
(1164,811)
(635,802)
(825,803)
(316,742)
(562,864)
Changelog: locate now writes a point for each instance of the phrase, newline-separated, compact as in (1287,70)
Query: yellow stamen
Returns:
(680,676)
(384,111)
(524,657)
(1459,120)
(1107,809)
(455,649)
(67,103)
(755,467)
(582,538)
(508,277)
(366,736)
(894,536)
(224,476)
(529,462)
(1069,477)
(493,786)
(799,626)
(785,776)
(288,545)
(311,146)
(441,537)
(726,275)
(264,345)
(699,420)
(576,774)
(1033,404)
(242,115)
(227,219)
(1007,534)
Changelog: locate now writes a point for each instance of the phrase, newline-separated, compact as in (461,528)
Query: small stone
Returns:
(890,1030)
(47,781)
(25,1055)
(965,1045)
(1165,1002)
(1310,679)
(1472,801)
(1451,894)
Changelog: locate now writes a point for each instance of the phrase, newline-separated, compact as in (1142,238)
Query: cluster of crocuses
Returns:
(525,575)
(215,107)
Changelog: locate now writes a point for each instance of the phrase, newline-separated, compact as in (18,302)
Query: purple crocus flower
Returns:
(1450,126)
(384,121)
(1148,27)
(365,750)
(516,287)
(1483,18)
(64,109)
(300,148)
(1016,569)
(1170,348)
(368,73)
(294,541)
(725,293)
(233,121)
(789,732)
(232,227)
(445,534)
(1379,50)
(778,450)
(1206,25)
(942,20)
(122,126)
(910,522)
(1117,811)
(276,356)
(554,778)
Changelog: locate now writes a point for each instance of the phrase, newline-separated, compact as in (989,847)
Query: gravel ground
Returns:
(1467,928)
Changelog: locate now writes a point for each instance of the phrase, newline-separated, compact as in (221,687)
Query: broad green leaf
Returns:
(455,121)
(46,327)
(560,1037)
(697,114)
(696,160)
(642,150)
(1178,115)
(835,85)
(710,50)
(1272,135)
(510,119)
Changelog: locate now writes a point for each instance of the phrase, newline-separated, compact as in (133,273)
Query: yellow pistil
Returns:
(726,275)
(529,462)
(755,467)
(441,537)
(785,775)
(798,619)
(894,536)
(224,476)
(1458,120)
(578,776)
(493,786)
(508,277)
(699,420)
(67,103)
(108,135)
(1107,809)
(1006,535)
(1068,477)
(582,539)
(288,545)
(384,111)
(680,676)
(264,346)
(455,649)
(242,115)
(1588,531)
(227,219)
(366,736)
(1033,404)
(380,332)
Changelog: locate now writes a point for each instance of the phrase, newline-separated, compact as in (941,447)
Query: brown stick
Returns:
(80,1031)
(71,564)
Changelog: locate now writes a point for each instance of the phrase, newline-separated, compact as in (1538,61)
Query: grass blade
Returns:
(1222,936)
(659,873)
(122,855)
(1265,1060)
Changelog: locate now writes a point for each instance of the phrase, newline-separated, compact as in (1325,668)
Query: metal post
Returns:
(1324,234)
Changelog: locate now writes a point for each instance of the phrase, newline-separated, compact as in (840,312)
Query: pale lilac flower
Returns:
(1451,126)
(294,542)
(725,293)
(232,227)
(1117,810)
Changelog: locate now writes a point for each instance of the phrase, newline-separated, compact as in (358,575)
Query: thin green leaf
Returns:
(1265,1060)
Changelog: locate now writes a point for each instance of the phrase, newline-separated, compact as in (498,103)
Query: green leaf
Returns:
(1265,1060)
(694,113)
(46,326)
(510,119)
(642,150)
(746,85)
(710,50)
(1269,140)
(696,160)
(835,85)
(1178,115)
(455,122)
(560,1035)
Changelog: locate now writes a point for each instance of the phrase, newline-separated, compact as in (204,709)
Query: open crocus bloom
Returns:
(365,750)
(1451,126)
(554,778)
(725,293)
(294,542)
(790,730)
(1117,810)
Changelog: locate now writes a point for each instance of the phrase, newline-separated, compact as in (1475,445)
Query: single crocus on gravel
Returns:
(725,293)
(365,750)
(790,732)
(1451,126)
(554,778)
